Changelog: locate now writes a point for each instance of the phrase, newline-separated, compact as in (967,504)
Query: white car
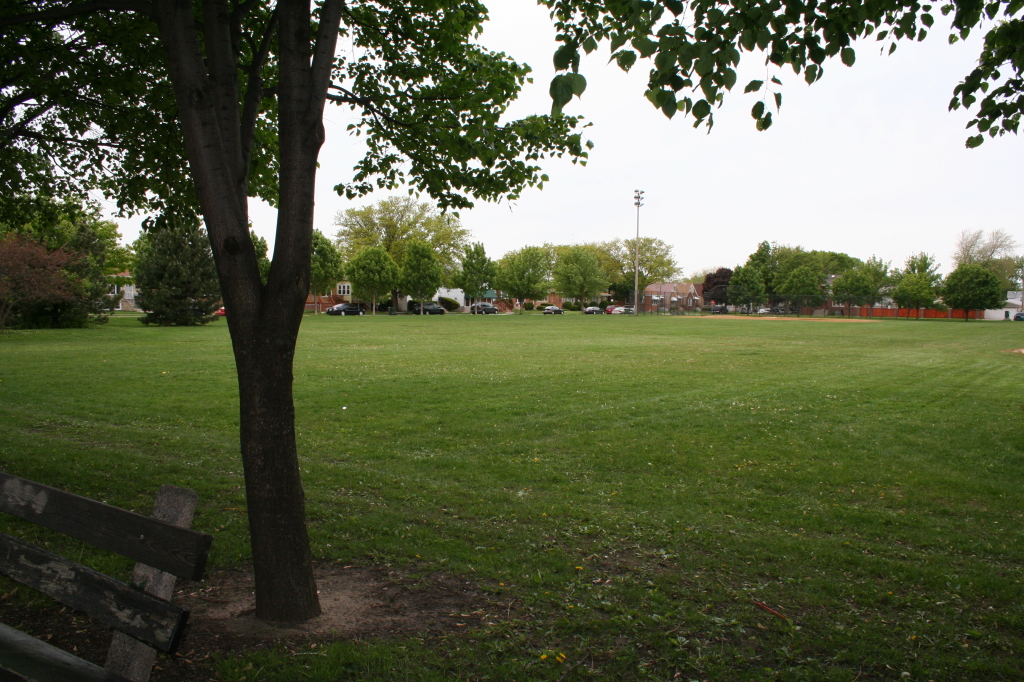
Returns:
(764,311)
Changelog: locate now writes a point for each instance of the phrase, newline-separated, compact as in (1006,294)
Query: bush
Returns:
(569,305)
(528,305)
(449,304)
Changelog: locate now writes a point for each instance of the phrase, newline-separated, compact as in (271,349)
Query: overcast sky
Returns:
(867,161)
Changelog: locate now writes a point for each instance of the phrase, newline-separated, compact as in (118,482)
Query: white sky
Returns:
(867,161)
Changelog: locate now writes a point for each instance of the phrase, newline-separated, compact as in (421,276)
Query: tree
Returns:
(578,274)
(972,287)
(995,251)
(973,246)
(477,271)
(876,271)
(802,286)
(73,226)
(524,273)
(696,48)
(373,273)
(716,285)
(30,273)
(656,261)
(238,90)
(259,244)
(325,268)
(746,286)
(175,274)
(422,272)
(852,288)
(914,290)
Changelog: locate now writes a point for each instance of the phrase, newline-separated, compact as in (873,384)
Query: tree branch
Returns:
(254,91)
(58,13)
(326,44)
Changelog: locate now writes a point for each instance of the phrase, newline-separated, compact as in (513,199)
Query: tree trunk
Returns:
(282,562)
(265,319)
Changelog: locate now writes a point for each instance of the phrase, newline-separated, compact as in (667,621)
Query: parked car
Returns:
(1019,317)
(483,309)
(592,310)
(553,310)
(626,310)
(221,312)
(429,308)
(345,309)
(764,311)
(719,310)
(610,310)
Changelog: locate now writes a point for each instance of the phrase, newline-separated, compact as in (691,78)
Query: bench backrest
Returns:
(166,547)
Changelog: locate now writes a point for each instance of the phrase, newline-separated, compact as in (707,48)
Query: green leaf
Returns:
(626,59)
(645,46)
(974,141)
(669,105)
(848,56)
(778,100)
(758,110)
(765,123)
(753,86)
(748,39)
(776,81)
(811,74)
(589,45)
(728,78)
(577,82)
(674,6)
(561,93)
(701,109)
(564,57)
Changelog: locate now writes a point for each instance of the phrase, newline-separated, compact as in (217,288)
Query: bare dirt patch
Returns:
(1015,350)
(358,603)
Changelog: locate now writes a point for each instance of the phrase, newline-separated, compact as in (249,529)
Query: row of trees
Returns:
(376,243)
(985,269)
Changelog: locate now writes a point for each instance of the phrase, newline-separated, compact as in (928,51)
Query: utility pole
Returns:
(638,201)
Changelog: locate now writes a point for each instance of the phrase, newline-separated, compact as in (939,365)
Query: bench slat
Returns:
(155,621)
(33,659)
(164,546)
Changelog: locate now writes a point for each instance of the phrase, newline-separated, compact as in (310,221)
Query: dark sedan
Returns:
(344,309)
(483,309)
(429,308)
(553,310)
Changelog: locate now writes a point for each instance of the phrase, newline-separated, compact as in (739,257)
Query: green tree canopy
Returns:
(477,271)
(394,222)
(915,290)
(578,274)
(373,274)
(325,265)
(259,244)
(656,261)
(972,287)
(746,286)
(75,227)
(803,286)
(852,287)
(175,274)
(524,273)
(422,272)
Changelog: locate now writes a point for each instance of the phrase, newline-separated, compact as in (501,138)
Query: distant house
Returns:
(127,292)
(670,296)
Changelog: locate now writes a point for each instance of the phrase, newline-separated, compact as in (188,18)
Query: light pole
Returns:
(638,201)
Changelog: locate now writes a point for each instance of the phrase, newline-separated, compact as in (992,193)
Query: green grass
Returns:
(630,486)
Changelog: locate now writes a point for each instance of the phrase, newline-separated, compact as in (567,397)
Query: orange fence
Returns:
(923,313)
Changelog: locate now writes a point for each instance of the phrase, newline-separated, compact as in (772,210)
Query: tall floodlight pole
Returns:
(638,201)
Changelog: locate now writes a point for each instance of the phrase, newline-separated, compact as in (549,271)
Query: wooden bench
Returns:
(140,613)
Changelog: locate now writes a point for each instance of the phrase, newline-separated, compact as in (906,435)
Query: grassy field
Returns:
(637,490)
